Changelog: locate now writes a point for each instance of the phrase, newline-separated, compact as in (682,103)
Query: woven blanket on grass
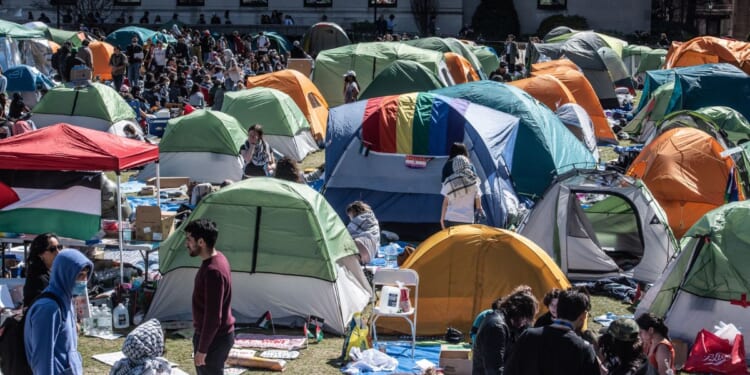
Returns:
(258,341)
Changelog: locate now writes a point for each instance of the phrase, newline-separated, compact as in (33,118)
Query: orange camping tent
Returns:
(709,50)
(102,51)
(686,174)
(460,68)
(304,93)
(546,89)
(586,97)
(463,269)
(539,68)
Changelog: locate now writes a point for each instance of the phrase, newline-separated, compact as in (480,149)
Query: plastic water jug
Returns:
(104,321)
(121,317)
(391,256)
(390,298)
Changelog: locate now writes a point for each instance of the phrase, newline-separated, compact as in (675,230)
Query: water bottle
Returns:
(104,322)
(127,233)
(391,256)
(121,316)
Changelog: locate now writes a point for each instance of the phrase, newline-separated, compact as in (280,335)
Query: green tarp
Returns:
(268,225)
(367,60)
(542,137)
(402,77)
(652,60)
(203,131)
(275,111)
(449,45)
(487,58)
(16,31)
(97,101)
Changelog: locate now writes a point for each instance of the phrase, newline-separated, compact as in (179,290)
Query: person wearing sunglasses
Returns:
(43,250)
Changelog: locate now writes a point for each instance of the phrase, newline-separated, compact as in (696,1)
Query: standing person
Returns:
(256,152)
(351,87)
(196,98)
(656,344)
(3,82)
(457,148)
(50,332)
(119,64)
(85,54)
(263,43)
(159,58)
(621,348)
(364,229)
(42,253)
(462,196)
(557,349)
(390,25)
(135,59)
(550,300)
(212,299)
(664,41)
(59,61)
(511,52)
(497,334)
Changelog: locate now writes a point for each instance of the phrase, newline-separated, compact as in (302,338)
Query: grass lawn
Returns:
(319,358)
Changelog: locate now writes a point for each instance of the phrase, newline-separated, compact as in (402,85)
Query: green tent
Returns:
(368,60)
(13,30)
(61,36)
(203,131)
(709,281)
(298,232)
(278,41)
(731,122)
(615,44)
(652,60)
(285,127)
(95,107)
(402,77)
(449,45)
(654,110)
(632,55)
(487,58)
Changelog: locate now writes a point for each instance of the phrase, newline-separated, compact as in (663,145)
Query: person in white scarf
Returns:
(365,230)
(462,197)
(142,348)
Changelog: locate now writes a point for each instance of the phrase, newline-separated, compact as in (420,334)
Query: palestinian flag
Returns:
(66,203)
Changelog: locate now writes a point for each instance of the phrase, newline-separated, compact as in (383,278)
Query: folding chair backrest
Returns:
(391,276)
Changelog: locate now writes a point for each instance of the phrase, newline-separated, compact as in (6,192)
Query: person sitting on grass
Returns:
(142,349)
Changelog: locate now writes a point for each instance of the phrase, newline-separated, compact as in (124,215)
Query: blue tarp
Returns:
(401,350)
(26,78)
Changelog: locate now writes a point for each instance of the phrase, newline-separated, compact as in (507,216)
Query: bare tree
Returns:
(423,10)
(82,10)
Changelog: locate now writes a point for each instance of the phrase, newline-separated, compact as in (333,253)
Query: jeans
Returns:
(217,354)
(134,73)
(117,80)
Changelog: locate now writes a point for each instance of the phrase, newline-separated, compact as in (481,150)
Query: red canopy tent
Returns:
(65,147)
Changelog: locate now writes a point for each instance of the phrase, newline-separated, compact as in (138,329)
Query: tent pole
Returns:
(119,225)
(158,186)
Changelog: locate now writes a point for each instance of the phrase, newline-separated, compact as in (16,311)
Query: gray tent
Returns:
(598,224)
(579,123)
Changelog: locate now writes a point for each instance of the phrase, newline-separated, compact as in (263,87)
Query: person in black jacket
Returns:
(43,250)
(497,334)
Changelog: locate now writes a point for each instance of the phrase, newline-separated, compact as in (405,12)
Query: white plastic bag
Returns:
(371,360)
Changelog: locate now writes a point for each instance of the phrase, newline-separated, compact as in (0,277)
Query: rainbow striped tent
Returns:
(390,151)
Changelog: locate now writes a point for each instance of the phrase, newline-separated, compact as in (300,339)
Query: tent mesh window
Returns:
(611,221)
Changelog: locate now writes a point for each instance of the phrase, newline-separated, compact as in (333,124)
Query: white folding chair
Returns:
(407,277)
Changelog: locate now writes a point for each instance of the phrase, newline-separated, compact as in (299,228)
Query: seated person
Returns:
(365,230)
(142,348)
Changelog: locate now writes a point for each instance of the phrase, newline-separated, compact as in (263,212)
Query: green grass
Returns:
(319,358)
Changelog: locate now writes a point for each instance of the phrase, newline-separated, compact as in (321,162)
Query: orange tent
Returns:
(686,174)
(102,51)
(539,68)
(546,89)
(463,269)
(53,46)
(709,50)
(585,96)
(460,68)
(304,93)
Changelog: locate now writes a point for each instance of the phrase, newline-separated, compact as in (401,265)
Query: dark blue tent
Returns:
(26,78)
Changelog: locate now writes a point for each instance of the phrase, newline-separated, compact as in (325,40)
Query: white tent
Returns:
(597,224)
(579,123)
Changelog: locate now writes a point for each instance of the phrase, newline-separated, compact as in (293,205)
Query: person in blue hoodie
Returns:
(50,336)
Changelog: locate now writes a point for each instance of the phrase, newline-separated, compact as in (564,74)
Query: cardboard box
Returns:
(455,359)
(152,224)
(169,182)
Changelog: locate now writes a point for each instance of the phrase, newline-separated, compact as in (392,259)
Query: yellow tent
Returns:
(304,93)
(463,269)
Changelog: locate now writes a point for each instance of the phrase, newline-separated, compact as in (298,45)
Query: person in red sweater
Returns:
(212,299)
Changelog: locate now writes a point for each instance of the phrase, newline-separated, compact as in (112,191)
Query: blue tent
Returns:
(123,36)
(544,149)
(26,78)
(702,86)
(390,151)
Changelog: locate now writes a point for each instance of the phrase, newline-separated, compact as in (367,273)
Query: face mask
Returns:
(80,288)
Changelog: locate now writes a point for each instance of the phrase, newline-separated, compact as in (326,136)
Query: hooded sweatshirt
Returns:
(50,337)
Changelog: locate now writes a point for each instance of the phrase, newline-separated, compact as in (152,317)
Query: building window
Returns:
(191,3)
(552,4)
(254,3)
(128,2)
(383,3)
(318,3)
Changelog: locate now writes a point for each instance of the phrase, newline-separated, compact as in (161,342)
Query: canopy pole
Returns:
(120,226)
(158,185)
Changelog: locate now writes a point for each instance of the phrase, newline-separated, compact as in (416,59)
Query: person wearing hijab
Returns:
(142,348)
(462,197)
(364,229)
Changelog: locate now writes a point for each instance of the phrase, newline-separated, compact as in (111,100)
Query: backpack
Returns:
(13,358)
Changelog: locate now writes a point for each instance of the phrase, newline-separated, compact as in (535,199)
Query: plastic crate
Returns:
(157,126)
